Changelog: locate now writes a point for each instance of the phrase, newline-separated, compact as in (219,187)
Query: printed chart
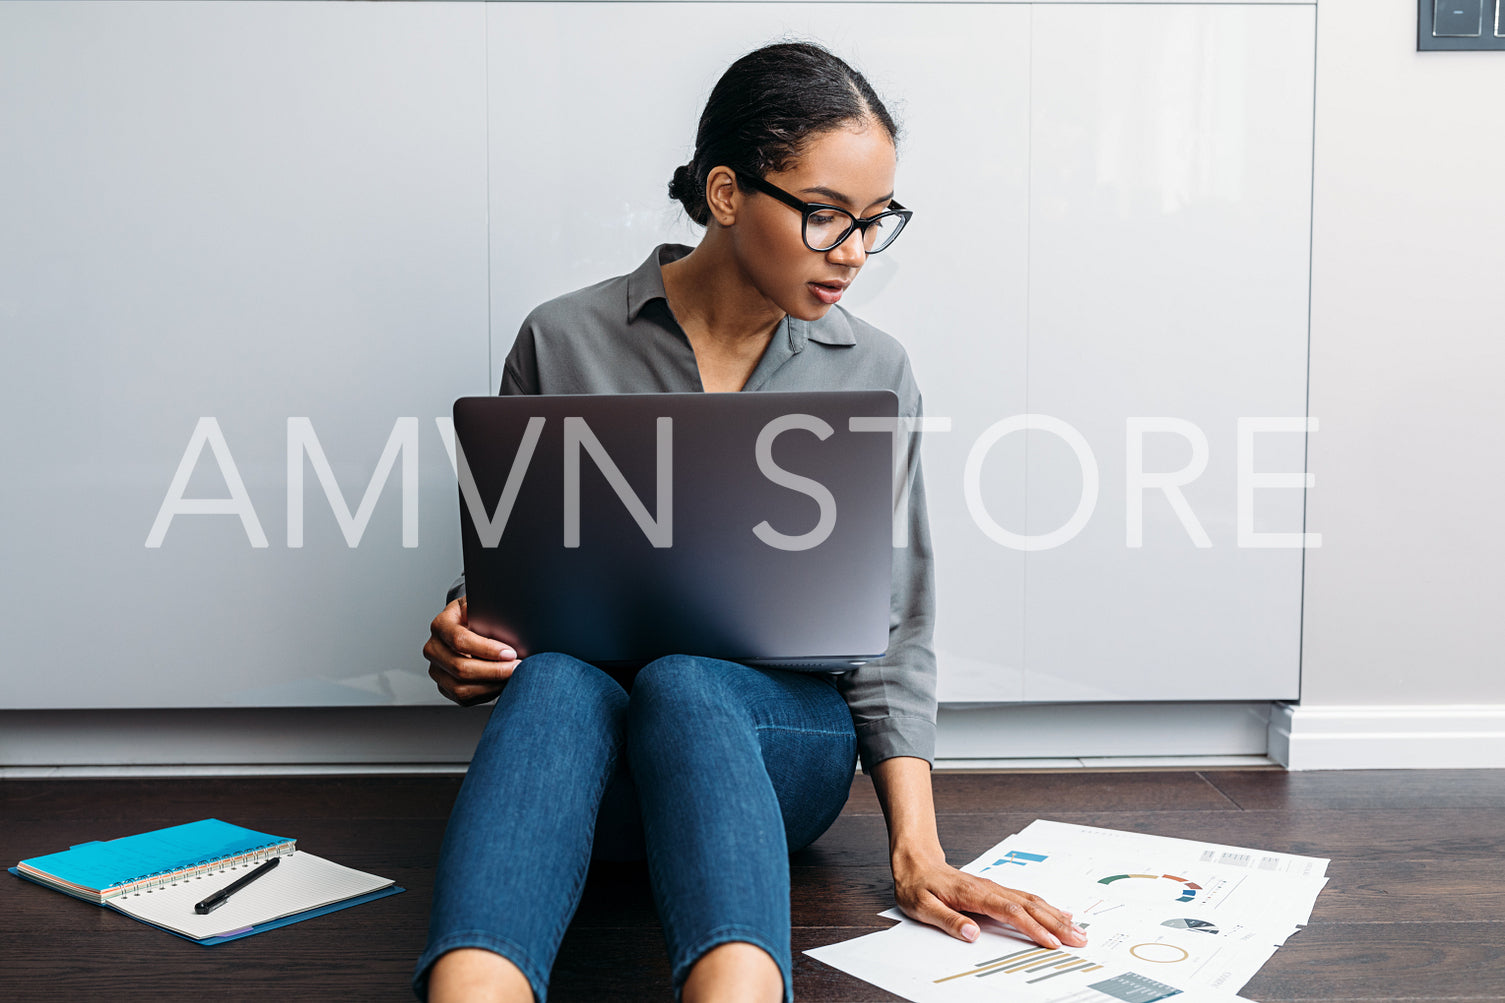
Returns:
(1025,964)
(1164,918)
(1153,887)
(1016,857)
(1127,986)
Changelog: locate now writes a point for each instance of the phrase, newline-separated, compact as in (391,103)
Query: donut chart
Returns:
(1183,889)
(1159,954)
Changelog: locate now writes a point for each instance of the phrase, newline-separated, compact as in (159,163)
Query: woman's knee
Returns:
(564,688)
(687,681)
(682,698)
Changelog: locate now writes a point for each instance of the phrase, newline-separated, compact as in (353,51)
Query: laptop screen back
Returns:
(753,527)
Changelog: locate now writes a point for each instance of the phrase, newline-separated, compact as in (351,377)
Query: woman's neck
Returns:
(728,321)
(713,300)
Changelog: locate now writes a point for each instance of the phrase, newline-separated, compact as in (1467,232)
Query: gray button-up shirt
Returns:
(618,336)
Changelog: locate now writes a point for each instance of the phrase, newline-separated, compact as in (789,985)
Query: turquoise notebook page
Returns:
(111,862)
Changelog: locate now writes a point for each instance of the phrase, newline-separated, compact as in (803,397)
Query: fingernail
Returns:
(969,932)
(506,654)
(1079,931)
(1050,940)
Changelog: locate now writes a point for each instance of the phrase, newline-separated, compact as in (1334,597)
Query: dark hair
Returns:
(765,107)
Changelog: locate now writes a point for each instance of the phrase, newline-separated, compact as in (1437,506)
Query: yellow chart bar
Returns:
(1041,961)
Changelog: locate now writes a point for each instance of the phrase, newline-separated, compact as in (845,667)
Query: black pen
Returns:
(216,900)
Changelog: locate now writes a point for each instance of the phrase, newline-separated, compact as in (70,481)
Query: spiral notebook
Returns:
(157,877)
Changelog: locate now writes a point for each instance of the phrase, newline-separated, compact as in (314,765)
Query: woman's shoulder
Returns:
(566,311)
(578,342)
(605,306)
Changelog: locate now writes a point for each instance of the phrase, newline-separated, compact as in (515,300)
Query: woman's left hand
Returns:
(932,891)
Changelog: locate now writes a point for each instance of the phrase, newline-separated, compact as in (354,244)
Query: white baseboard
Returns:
(1028,736)
(1388,737)
(1086,731)
(278,740)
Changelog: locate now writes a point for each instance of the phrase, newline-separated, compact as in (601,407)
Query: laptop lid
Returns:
(619,528)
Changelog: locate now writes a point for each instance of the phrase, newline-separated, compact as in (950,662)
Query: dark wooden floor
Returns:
(1415,909)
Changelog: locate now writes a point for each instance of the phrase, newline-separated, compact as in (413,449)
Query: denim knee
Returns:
(679,688)
(566,685)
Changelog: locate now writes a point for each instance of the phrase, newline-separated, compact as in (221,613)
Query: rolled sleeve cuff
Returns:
(887,737)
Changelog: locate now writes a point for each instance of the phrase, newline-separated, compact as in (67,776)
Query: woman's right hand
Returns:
(469,668)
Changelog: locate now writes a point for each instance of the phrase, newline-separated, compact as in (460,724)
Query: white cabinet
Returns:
(246,213)
(1169,230)
(257,212)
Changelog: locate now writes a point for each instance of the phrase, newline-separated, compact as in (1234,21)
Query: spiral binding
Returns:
(159,879)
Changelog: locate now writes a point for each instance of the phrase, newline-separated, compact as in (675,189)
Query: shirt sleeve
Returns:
(892,699)
(456,590)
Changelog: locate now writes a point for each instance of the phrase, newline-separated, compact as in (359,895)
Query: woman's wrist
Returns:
(903,787)
(915,853)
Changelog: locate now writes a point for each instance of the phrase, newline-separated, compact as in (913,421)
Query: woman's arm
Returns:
(934,892)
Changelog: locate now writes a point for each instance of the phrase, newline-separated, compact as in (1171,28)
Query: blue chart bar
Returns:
(1132,988)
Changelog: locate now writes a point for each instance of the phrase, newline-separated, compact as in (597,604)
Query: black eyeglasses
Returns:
(826,226)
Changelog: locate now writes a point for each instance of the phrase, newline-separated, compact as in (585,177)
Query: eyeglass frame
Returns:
(807,208)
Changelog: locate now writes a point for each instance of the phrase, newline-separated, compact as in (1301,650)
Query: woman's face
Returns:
(850,167)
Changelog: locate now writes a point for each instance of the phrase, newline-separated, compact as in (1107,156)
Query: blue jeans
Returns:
(712,770)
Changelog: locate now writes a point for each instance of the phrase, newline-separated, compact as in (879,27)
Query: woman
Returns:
(712,770)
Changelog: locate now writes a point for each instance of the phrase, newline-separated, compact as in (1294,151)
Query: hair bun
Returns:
(682,182)
(685,189)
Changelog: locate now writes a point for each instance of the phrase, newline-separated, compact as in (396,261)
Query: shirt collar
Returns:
(646,283)
(835,328)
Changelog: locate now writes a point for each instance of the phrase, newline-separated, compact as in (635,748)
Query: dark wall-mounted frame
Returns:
(1455,21)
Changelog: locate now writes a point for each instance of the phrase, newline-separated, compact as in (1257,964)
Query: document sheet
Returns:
(301,882)
(1164,918)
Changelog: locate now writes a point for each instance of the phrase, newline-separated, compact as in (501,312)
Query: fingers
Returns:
(468,667)
(945,901)
(464,694)
(450,627)
(466,671)
(932,910)
(1029,914)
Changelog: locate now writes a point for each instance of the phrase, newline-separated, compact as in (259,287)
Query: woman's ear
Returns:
(722,195)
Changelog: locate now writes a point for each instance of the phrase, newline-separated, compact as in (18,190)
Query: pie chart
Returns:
(1199,925)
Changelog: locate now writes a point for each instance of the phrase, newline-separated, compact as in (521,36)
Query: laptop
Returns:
(618,528)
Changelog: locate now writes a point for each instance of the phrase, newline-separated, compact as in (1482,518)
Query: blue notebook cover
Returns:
(97,866)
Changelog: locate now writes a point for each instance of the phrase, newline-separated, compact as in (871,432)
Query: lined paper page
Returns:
(302,881)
